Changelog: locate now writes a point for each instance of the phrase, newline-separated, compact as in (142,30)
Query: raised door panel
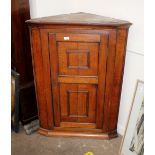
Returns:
(88,59)
(87,103)
(78,58)
(67,58)
(78,103)
(68,102)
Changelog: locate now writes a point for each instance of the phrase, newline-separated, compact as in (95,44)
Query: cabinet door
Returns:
(78,70)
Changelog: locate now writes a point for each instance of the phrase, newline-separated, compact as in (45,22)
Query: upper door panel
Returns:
(78,58)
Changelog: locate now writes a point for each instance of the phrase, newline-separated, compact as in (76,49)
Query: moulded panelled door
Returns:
(78,62)
(78,69)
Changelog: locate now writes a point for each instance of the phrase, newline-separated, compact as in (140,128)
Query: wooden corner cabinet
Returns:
(78,62)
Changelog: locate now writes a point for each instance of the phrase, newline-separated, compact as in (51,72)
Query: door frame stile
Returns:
(101,79)
(54,77)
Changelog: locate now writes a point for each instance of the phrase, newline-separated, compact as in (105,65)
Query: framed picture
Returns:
(133,140)
(15,89)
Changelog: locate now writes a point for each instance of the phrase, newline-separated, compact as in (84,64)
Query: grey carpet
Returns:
(36,144)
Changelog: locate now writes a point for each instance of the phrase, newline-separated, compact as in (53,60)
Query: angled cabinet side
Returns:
(40,75)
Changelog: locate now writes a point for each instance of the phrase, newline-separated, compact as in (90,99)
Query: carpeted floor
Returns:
(36,144)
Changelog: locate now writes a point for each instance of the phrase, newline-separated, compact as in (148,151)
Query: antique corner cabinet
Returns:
(78,62)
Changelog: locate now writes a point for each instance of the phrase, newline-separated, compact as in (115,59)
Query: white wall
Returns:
(133,71)
(131,10)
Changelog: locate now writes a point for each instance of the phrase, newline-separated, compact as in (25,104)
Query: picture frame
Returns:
(15,90)
(133,140)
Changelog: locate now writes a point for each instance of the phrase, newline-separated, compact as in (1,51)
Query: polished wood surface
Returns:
(21,60)
(78,74)
(78,103)
(79,18)
(77,79)
(78,37)
(68,133)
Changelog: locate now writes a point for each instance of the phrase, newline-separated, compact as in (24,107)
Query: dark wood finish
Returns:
(101,81)
(80,18)
(21,59)
(78,62)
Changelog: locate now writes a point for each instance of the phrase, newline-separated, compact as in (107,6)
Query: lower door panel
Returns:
(78,103)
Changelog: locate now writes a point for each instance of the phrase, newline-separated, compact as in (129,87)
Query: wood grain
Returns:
(78,37)
(109,78)
(77,125)
(101,80)
(77,79)
(118,77)
(47,80)
(21,60)
(39,81)
(54,74)
(78,58)
(79,18)
(71,134)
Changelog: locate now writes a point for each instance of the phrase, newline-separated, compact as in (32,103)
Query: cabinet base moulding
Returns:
(78,134)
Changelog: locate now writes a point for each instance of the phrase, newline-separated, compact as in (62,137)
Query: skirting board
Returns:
(120,130)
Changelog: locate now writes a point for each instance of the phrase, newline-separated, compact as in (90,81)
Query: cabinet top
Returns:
(79,18)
